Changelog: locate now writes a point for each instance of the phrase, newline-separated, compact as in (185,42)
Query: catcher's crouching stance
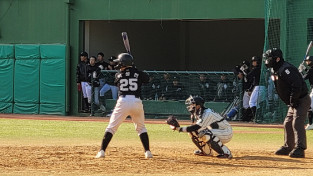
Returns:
(211,130)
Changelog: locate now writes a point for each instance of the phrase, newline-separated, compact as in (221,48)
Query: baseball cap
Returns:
(101,54)
(175,78)
(112,58)
(84,53)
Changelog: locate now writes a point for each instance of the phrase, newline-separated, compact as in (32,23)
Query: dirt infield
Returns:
(78,160)
(125,159)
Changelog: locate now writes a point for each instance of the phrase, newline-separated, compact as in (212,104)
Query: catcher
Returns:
(211,130)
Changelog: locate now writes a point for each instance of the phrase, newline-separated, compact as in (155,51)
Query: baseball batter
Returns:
(211,130)
(129,81)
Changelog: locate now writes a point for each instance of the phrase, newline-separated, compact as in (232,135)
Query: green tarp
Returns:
(35,81)
(6,80)
(27,52)
(25,108)
(26,79)
(52,79)
(6,51)
(6,107)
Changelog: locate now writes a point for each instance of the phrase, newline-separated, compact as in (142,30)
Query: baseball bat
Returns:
(126,42)
(302,67)
(308,50)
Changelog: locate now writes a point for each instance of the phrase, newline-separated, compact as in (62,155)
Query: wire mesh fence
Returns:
(170,87)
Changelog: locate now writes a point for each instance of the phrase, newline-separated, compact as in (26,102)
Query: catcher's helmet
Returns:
(271,55)
(192,101)
(124,60)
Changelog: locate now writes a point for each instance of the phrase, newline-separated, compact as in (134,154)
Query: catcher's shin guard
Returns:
(204,148)
(215,143)
(221,149)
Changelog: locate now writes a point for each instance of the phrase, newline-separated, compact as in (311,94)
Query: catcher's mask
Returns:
(192,102)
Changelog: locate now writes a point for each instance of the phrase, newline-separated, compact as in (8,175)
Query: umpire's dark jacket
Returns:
(289,83)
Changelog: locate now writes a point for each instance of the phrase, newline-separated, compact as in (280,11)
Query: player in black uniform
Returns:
(255,88)
(81,78)
(309,76)
(293,91)
(241,73)
(129,81)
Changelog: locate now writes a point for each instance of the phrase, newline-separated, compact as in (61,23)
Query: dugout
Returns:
(164,35)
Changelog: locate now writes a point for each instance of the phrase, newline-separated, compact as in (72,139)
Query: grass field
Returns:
(53,147)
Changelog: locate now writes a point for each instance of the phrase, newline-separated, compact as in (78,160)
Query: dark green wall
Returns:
(46,21)
(32,21)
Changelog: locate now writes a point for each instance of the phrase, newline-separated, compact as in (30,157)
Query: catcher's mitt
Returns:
(172,121)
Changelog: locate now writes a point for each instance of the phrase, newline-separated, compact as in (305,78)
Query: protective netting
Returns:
(167,91)
(288,26)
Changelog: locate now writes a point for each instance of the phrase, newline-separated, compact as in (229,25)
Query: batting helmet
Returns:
(309,58)
(271,55)
(124,60)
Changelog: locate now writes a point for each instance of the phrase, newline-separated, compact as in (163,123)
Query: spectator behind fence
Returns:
(151,91)
(104,66)
(175,90)
(81,79)
(93,72)
(109,84)
(164,85)
(224,87)
(207,88)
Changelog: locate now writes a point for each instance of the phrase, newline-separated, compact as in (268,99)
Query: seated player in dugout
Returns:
(175,90)
(207,88)
(211,130)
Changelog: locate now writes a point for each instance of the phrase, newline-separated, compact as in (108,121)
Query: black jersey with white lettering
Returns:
(129,81)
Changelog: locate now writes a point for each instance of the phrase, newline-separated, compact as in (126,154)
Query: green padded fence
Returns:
(33,79)
(26,79)
(6,108)
(52,79)
(6,78)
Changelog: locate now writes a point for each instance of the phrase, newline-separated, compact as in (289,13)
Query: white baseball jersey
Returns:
(224,131)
